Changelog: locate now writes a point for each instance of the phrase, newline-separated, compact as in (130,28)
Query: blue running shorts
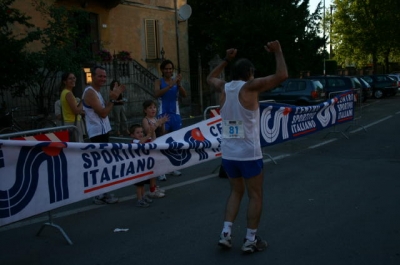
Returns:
(174,123)
(245,169)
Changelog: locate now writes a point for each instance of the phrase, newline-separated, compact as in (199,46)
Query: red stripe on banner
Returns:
(304,132)
(41,137)
(214,112)
(346,119)
(118,182)
(61,136)
(216,121)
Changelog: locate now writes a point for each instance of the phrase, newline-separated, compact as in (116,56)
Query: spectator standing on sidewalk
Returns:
(71,110)
(138,137)
(118,111)
(241,149)
(150,120)
(96,112)
(167,90)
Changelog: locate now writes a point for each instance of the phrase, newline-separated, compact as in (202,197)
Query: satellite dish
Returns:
(184,12)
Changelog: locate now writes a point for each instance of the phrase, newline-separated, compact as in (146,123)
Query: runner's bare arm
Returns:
(271,81)
(213,78)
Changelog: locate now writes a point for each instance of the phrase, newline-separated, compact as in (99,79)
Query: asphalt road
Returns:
(328,200)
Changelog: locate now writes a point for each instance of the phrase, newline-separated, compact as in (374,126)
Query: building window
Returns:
(94,33)
(89,28)
(152,45)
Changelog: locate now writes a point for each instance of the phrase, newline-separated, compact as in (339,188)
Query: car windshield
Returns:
(318,84)
(363,82)
(368,79)
(356,82)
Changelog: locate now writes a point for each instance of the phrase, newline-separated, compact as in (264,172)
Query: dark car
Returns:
(366,89)
(300,92)
(334,84)
(396,77)
(382,85)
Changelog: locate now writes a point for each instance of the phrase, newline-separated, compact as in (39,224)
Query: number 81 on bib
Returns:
(232,129)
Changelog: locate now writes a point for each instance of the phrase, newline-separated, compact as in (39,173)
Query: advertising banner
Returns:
(38,176)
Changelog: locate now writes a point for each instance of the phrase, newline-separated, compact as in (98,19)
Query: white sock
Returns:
(251,234)
(227,228)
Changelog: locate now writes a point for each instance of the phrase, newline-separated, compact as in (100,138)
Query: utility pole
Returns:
(323,24)
(177,36)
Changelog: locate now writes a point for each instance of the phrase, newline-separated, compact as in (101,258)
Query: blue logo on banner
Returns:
(196,140)
(30,158)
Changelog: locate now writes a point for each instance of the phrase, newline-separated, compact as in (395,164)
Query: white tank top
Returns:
(249,147)
(95,125)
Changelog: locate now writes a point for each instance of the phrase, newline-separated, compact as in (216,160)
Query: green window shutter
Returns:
(151,28)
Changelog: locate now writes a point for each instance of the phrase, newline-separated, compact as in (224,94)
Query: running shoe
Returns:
(225,240)
(162,177)
(175,173)
(156,194)
(160,189)
(105,199)
(253,246)
(142,203)
(147,199)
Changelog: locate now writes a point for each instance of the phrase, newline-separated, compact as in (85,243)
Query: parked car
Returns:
(335,84)
(397,78)
(382,85)
(365,88)
(300,92)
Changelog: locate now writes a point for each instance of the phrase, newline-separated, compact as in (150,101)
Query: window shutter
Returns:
(151,39)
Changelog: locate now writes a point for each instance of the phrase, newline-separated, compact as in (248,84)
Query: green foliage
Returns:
(124,56)
(218,25)
(364,32)
(66,47)
(17,65)
(331,67)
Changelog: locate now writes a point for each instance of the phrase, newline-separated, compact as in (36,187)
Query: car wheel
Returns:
(378,93)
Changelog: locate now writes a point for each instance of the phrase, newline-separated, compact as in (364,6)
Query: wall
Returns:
(124,28)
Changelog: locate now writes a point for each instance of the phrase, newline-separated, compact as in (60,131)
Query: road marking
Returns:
(321,144)
(371,124)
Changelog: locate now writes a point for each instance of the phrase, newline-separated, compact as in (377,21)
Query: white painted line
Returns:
(371,124)
(323,143)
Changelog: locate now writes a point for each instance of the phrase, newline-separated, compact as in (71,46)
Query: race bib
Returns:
(232,129)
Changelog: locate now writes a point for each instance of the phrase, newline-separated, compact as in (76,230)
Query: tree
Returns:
(363,32)
(17,64)
(65,47)
(217,25)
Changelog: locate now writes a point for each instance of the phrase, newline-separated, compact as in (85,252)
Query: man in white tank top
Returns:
(96,113)
(241,149)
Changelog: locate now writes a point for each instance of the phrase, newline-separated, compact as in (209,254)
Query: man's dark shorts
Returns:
(245,169)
